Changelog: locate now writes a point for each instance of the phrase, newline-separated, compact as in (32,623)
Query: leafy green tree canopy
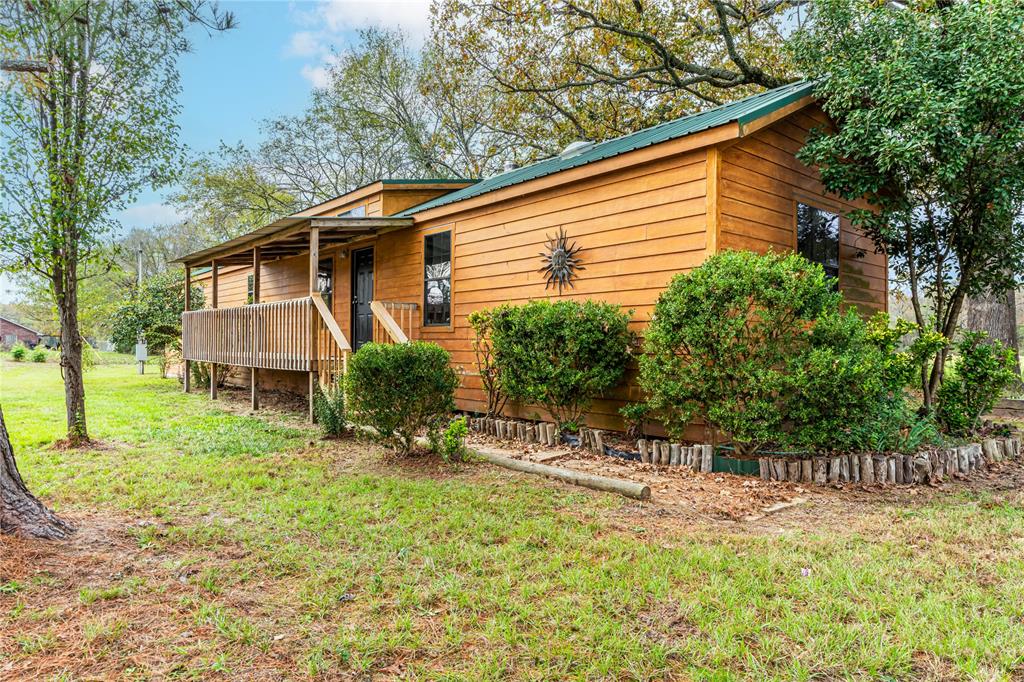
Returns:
(927,98)
(156,310)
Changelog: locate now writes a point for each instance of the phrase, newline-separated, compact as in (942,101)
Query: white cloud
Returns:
(148,215)
(318,76)
(330,24)
(411,15)
(304,44)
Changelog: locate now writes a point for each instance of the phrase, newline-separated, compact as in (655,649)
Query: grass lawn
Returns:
(214,544)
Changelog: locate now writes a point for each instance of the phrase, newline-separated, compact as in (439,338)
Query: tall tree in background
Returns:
(87,120)
(593,69)
(387,111)
(929,104)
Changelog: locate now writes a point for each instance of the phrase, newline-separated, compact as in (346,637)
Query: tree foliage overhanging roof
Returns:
(743,111)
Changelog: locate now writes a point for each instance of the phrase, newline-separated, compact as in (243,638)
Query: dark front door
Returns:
(362,294)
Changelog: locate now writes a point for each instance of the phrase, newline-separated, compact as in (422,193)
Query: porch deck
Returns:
(298,335)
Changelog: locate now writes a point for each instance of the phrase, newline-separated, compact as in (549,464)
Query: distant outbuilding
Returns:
(12,332)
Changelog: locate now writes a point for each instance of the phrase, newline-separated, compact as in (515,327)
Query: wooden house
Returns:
(410,259)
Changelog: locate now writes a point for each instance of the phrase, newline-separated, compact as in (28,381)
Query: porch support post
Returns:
(186,364)
(254,374)
(314,263)
(214,286)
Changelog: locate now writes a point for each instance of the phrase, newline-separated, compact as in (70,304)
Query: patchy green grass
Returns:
(257,553)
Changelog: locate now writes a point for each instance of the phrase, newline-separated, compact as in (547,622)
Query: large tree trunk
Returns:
(20,512)
(997,315)
(66,295)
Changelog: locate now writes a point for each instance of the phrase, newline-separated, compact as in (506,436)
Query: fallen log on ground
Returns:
(632,489)
(637,491)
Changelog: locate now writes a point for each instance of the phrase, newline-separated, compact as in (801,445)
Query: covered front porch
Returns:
(296,296)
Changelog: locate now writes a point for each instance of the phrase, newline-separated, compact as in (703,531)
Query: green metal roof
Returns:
(424,181)
(743,112)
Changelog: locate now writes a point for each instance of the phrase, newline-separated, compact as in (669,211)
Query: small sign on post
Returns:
(141,355)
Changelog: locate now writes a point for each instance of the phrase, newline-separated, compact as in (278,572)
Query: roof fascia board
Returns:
(355,195)
(704,138)
(367,223)
(371,225)
(208,255)
(750,125)
(377,187)
(413,186)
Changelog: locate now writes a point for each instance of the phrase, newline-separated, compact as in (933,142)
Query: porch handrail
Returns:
(329,321)
(382,313)
(297,334)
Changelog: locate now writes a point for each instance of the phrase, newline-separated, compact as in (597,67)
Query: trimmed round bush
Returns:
(40,353)
(401,389)
(758,347)
(19,352)
(560,355)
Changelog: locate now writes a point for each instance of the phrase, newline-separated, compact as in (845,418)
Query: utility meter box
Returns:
(141,354)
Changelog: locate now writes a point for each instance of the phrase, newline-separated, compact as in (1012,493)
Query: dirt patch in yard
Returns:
(104,604)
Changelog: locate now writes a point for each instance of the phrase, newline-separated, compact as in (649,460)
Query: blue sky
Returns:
(264,68)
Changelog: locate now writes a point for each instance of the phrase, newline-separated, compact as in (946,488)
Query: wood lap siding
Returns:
(761,181)
(638,227)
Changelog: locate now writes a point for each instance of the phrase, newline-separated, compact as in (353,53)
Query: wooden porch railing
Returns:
(393,322)
(332,348)
(298,335)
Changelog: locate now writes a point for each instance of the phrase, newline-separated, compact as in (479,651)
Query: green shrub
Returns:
(201,375)
(560,355)
(329,408)
(893,426)
(481,322)
(40,353)
(451,444)
(837,380)
(984,369)
(758,346)
(636,416)
(401,389)
(19,352)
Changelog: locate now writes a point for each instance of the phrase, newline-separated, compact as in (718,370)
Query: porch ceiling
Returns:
(290,237)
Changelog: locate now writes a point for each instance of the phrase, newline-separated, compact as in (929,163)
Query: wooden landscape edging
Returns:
(868,468)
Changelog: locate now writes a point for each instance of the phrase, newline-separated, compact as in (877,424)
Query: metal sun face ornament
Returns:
(560,261)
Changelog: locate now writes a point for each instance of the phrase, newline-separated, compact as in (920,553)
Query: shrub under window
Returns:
(757,345)
(560,355)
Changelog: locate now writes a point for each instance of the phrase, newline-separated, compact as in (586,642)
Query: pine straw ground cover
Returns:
(218,545)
